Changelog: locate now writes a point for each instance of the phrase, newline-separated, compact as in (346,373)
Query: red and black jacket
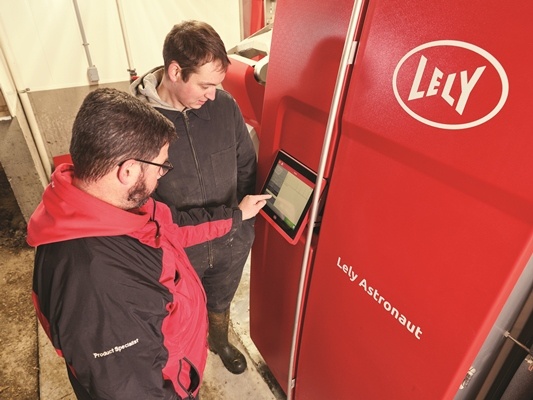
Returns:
(116,294)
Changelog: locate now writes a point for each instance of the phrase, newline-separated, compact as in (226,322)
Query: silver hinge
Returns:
(468,377)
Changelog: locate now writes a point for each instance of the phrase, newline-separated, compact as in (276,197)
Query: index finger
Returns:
(260,197)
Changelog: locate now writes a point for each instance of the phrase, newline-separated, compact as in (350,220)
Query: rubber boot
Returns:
(232,358)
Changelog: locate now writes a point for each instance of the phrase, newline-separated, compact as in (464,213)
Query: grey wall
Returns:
(19,158)
(54,111)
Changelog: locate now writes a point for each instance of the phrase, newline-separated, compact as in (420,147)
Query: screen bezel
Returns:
(300,170)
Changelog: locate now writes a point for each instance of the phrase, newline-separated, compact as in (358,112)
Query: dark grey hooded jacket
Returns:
(214,161)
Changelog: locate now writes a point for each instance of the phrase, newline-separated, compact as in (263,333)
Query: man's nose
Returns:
(210,94)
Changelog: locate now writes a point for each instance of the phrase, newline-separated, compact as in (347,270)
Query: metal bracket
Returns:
(508,335)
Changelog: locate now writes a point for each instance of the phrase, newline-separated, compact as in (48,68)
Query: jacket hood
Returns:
(67,212)
(145,88)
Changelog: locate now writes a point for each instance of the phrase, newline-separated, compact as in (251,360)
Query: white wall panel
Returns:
(151,25)
(45,42)
(7,86)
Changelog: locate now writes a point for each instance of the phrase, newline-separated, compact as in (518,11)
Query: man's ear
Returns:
(174,71)
(128,172)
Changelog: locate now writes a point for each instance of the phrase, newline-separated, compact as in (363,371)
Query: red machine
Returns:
(417,267)
(307,43)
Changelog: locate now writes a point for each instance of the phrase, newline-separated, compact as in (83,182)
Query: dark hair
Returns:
(192,44)
(112,126)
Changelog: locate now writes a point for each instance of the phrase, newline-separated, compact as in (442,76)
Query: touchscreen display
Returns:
(291,185)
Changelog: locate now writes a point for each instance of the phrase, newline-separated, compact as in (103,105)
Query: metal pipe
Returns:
(125,36)
(346,59)
(82,31)
(43,165)
(36,133)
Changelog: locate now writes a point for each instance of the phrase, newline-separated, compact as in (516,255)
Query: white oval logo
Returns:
(450,84)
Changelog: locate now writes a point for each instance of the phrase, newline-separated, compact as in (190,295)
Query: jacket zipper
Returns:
(200,179)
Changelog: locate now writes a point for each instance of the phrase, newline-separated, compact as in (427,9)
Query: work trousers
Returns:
(219,264)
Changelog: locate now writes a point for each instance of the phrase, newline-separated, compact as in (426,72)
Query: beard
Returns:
(139,194)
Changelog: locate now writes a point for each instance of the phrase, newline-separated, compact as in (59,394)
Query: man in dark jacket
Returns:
(112,286)
(214,163)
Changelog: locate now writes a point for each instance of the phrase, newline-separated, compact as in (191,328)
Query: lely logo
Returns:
(450,84)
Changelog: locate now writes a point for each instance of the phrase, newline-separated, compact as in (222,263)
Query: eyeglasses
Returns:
(163,168)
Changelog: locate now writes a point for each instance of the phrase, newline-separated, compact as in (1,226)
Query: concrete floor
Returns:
(218,384)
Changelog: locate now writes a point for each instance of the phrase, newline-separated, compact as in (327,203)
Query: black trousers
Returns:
(219,264)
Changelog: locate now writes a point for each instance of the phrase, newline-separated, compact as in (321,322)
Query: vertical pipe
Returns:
(131,69)
(82,31)
(346,59)
(35,132)
(44,166)
(92,72)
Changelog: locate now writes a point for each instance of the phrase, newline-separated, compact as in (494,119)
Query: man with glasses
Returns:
(112,286)
(214,160)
